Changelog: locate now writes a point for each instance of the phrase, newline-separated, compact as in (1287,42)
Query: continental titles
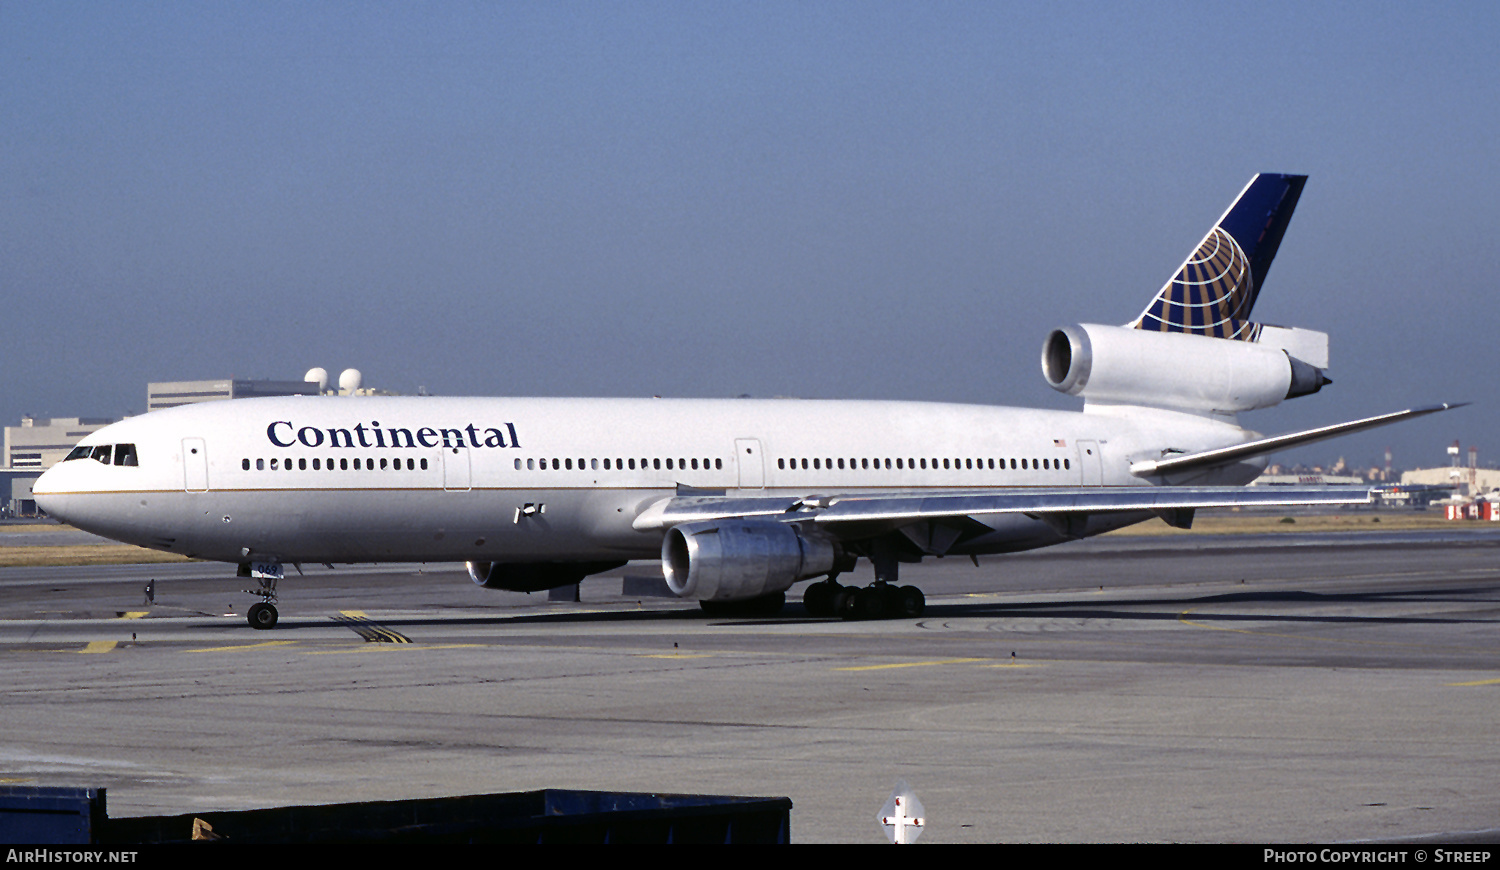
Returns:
(284,433)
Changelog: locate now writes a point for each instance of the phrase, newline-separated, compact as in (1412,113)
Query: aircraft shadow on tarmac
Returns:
(1118,609)
(1172,608)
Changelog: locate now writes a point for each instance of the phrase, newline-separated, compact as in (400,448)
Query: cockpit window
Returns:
(79,452)
(102,453)
(125,454)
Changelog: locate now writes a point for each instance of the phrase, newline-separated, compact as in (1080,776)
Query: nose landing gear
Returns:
(263,615)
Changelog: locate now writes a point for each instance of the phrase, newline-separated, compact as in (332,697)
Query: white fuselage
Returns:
(378,479)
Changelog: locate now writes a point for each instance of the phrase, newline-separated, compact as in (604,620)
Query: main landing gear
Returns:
(879,600)
(883,599)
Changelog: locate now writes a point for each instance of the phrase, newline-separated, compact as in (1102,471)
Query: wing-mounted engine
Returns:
(1119,365)
(736,560)
(533,576)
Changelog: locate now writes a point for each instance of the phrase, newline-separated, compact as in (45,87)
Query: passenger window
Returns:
(244,465)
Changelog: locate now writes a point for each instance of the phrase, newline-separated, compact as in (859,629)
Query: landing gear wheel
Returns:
(262,616)
(910,602)
(874,602)
(846,603)
(819,598)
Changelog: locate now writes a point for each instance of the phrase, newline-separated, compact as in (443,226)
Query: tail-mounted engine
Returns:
(736,560)
(1118,365)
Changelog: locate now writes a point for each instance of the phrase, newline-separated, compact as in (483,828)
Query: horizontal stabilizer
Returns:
(1262,446)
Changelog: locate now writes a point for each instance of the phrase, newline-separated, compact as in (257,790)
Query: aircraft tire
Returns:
(866,603)
(910,602)
(262,616)
(846,603)
(819,598)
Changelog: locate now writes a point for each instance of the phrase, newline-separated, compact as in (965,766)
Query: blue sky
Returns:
(829,200)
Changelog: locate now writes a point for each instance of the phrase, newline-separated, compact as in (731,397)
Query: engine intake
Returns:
(735,560)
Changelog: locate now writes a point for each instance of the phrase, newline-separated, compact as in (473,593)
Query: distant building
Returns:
(170,394)
(1485,479)
(1312,478)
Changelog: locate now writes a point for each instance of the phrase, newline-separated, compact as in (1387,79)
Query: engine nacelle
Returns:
(736,560)
(533,576)
(1116,364)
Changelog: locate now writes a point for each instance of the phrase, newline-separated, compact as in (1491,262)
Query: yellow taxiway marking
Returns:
(675,655)
(135,614)
(262,645)
(99,646)
(354,614)
(912,664)
(1476,683)
(405,647)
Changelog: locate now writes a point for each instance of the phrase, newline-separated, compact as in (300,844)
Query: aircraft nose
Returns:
(43,491)
(51,491)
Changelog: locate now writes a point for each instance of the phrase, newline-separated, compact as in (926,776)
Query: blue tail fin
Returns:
(1213,292)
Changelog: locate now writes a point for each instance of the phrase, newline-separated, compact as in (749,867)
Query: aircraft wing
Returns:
(897,508)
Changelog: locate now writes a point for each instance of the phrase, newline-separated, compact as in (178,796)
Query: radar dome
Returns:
(349,381)
(320,375)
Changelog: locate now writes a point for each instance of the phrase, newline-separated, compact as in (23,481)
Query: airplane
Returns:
(739,498)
